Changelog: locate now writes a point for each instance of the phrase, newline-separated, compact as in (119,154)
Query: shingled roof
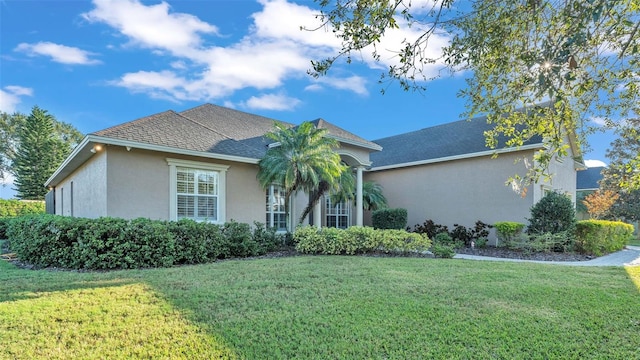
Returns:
(343,135)
(588,179)
(214,129)
(442,141)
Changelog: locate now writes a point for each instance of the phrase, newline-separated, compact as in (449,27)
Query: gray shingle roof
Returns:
(588,179)
(174,130)
(342,134)
(213,129)
(452,139)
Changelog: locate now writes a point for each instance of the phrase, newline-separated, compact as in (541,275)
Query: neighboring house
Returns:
(587,183)
(202,163)
(446,173)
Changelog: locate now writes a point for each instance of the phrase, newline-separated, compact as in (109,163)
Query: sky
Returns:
(96,64)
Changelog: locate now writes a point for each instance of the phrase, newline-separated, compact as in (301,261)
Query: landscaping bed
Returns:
(500,252)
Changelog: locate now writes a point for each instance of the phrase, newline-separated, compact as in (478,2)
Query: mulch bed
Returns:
(514,254)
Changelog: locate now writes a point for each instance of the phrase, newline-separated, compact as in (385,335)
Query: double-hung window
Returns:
(339,214)
(276,211)
(197,191)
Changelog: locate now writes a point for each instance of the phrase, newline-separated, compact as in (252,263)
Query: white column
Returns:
(317,214)
(359,196)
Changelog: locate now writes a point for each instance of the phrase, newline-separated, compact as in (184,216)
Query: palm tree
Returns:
(303,159)
(372,197)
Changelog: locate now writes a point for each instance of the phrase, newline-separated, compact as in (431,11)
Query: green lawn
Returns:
(323,308)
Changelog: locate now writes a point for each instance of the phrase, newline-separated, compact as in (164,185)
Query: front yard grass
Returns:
(323,308)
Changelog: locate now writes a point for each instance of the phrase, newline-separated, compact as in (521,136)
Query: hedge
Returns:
(389,218)
(13,208)
(599,237)
(357,240)
(113,243)
(508,231)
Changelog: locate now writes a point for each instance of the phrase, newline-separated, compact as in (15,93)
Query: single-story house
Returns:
(202,164)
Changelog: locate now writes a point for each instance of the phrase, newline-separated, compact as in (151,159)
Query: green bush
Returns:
(508,231)
(389,218)
(357,240)
(13,208)
(443,251)
(599,237)
(546,242)
(448,240)
(111,243)
(554,213)
(4,225)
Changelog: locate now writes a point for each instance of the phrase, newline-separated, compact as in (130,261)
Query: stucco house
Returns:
(202,164)
(447,174)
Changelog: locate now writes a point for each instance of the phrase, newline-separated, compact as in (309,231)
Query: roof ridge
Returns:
(214,130)
(236,110)
(136,121)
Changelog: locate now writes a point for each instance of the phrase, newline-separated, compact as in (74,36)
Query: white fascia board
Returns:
(355,143)
(172,150)
(66,161)
(458,157)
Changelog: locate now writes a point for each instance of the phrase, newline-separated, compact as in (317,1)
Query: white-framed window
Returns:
(197,190)
(276,212)
(338,215)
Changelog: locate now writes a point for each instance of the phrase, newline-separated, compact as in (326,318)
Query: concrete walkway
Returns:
(630,256)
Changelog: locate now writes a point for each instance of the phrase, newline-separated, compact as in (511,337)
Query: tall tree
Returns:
(303,159)
(581,56)
(40,151)
(621,176)
(10,125)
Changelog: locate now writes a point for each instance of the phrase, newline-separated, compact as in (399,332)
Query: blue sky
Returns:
(100,63)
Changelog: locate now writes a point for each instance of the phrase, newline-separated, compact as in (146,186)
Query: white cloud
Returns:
(356,84)
(152,26)
(313,87)
(272,102)
(598,121)
(10,97)
(274,50)
(594,163)
(58,53)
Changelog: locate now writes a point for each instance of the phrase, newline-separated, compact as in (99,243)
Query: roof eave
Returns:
(83,151)
(458,157)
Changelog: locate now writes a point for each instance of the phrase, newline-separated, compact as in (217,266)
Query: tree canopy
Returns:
(580,56)
(621,176)
(41,146)
(302,158)
(10,125)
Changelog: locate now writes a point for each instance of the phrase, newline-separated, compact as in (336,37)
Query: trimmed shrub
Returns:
(389,218)
(447,240)
(547,242)
(508,231)
(357,240)
(443,251)
(111,243)
(599,237)
(4,225)
(554,213)
(393,240)
(13,208)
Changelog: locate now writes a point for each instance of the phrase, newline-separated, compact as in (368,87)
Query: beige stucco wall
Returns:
(89,198)
(461,191)
(563,179)
(138,186)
